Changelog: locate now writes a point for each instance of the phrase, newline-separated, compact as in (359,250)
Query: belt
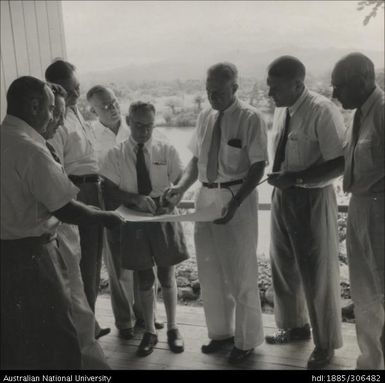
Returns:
(44,238)
(215,185)
(87,178)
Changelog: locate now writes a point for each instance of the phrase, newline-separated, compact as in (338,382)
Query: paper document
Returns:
(205,215)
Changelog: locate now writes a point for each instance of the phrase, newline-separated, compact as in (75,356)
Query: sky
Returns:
(101,35)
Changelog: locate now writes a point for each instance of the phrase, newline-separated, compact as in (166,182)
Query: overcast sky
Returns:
(107,34)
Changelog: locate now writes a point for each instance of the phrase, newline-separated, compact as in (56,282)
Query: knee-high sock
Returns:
(170,298)
(147,299)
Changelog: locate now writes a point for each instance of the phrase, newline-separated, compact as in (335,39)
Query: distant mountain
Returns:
(319,63)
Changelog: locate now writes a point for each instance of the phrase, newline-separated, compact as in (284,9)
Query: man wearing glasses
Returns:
(110,130)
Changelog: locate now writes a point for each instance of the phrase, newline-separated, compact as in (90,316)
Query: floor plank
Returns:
(121,354)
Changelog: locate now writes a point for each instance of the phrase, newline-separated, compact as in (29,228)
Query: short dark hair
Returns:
(57,90)
(59,70)
(96,90)
(140,106)
(288,68)
(224,70)
(22,90)
(356,64)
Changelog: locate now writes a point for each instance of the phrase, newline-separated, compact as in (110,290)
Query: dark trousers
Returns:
(91,243)
(37,331)
(304,262)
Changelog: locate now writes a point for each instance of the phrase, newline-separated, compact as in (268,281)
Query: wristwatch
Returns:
(299,181)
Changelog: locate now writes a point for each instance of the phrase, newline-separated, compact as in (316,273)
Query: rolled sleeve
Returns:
(193,145)
(330,130)
(257,139)
(110,168)
(48,183)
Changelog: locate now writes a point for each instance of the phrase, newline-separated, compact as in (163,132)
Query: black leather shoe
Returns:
(140,323)
(126,333)
(289,335)
(102,332)
(319,358)
(216,345)
(147,344)
(238,356)
(175,341)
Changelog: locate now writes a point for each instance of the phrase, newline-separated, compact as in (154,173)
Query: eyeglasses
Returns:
(110,106)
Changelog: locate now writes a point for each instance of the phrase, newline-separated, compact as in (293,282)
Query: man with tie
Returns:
(74,144)
(354,85)
(137,171)
(308,156)
(229,149)
(37,330)
(110,130)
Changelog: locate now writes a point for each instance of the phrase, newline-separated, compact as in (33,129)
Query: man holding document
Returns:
(137,171)
(229,156)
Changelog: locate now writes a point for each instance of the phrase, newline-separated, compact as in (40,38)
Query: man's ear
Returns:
(92,110)
(128,120)
(35,106)
(235,87)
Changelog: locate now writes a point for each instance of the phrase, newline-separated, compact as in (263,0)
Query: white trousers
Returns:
(83,318)
(228,270)
(365,247)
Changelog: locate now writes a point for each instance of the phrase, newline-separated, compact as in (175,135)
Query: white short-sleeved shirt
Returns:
(243,141)
(368,168)
(316,133)
(33,184)
(74,143)
(161,158)
(106,139)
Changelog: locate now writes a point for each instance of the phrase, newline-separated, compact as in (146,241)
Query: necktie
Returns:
(53,152)
(142,175)
(348,175)
(281,148)
(212,160)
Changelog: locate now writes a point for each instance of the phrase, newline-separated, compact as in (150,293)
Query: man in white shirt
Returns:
(69,247)
(36,323)
(110,130)
(308,155)
(229,154)
(74,144)
(354,85)
(137,172)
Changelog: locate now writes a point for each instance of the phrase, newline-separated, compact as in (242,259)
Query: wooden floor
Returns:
(121,353)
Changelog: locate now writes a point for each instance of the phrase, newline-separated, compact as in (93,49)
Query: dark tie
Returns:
(348,175)
(142,175)
(53,152)
(281,148)
(212,159)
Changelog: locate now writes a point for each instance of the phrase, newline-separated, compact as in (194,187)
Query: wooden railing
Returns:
(185,204)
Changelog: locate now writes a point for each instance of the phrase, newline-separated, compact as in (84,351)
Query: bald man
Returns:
(353,81)
(308,155)
(229,154)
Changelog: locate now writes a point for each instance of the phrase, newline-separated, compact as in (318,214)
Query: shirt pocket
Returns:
(159,176)
(293,147)
(233,157)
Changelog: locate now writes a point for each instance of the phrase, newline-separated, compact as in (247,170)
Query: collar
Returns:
(367,105)
(231,108)
(20,126)
(292,109)
(134,144)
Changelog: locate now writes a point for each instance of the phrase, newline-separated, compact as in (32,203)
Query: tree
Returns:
(375,6)
(172,103)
